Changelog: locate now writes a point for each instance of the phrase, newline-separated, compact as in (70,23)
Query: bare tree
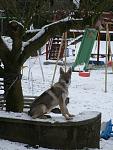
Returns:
(14,58)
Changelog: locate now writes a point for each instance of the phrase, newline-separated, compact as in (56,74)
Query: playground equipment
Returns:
(85,48)
(53,46)
(107,130)
(108,38)
(110,63)
(84,73)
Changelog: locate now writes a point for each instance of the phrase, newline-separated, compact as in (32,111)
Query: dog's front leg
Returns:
(63,110)
(67,112)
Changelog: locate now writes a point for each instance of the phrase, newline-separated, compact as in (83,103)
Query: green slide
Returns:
(85,49)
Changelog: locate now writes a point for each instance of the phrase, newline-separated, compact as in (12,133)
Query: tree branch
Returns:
(29,34)
(45,34)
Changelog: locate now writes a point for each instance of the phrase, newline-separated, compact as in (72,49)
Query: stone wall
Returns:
(82,131)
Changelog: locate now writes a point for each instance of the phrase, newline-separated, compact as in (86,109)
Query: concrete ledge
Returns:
(56,133)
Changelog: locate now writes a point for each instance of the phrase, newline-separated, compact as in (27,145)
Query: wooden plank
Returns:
(27,101)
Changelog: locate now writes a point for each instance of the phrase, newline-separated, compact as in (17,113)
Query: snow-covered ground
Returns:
(86,94)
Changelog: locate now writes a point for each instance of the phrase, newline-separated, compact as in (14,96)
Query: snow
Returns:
(43,29)
(38,35)
(33,30)
(7,41)
(76,2)
(87,94)
(14,21)
(86,115)
(81,31)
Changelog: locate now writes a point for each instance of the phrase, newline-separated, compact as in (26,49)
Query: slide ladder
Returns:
(52,49)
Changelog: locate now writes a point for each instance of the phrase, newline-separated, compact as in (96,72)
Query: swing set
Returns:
(85,50)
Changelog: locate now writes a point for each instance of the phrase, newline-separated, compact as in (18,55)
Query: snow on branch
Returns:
(45,34)
(7,41)
(38,35)
(14,21)
(33,31)
(4,50)
(4,46)
(45,28)
(76,2)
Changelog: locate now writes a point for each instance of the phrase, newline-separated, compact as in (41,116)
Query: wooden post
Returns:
(106,57)
(65,49)
(98,48)
(48,47)
(46,51)
(60,48)
(109,46)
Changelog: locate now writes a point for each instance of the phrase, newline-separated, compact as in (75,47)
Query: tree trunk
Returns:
(13,92)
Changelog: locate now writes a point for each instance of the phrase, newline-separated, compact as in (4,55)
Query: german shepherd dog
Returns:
(56,95)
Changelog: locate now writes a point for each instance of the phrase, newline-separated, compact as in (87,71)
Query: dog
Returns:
(56,95)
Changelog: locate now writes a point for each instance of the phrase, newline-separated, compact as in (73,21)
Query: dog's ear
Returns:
(61,70)
(69,71)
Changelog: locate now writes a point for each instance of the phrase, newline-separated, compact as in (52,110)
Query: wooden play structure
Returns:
(54,45)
